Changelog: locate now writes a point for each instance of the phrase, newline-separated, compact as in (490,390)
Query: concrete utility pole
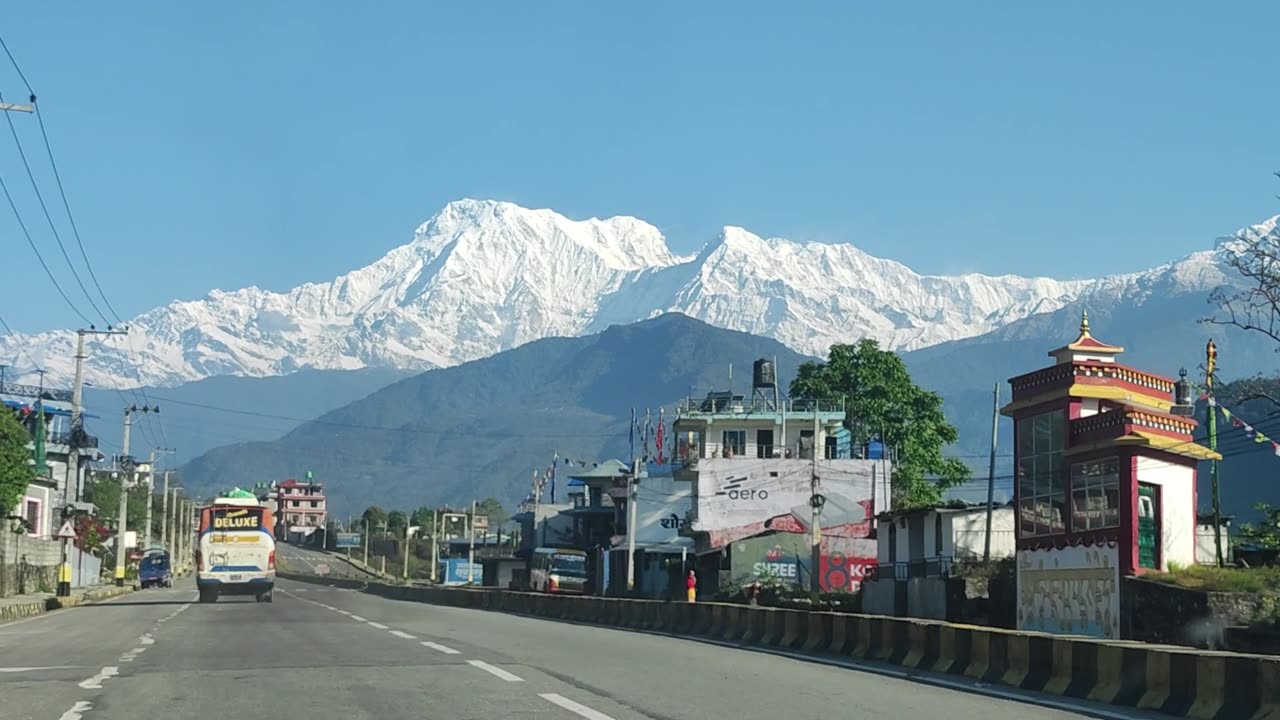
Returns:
(633,499)
(164,513)
(404,571)
(991,470)
(151,481)
(174,528)
(122,526)
(816,500)
(471,546)
(71,483)
(435,545)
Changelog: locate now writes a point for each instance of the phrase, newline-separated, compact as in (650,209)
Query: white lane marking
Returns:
(495,671)
(132,654)
(33,669)
(345,612)
(403,634)
(357,618)
(440,648)
(77,711)
(146,639)
(574,707)
(95,682)
(379,626)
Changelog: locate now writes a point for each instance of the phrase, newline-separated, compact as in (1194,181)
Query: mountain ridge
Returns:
(482,276)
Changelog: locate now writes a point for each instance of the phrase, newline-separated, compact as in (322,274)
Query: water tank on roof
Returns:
(763,374)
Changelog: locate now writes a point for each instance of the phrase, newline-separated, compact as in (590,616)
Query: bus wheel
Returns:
(208,595)
(268,596)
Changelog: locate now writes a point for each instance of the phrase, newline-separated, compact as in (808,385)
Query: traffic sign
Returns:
(67,532)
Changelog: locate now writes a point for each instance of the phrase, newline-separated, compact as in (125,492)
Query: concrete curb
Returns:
(1182,682)
(49,604)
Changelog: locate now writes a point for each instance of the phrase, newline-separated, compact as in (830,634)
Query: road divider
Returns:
(1182,682)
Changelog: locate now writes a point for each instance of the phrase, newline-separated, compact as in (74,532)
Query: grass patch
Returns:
(1263,580)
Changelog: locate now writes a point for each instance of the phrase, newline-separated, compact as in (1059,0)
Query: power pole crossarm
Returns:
(13,107)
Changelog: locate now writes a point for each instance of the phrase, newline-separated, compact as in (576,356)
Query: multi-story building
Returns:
(751,463)
(301,505)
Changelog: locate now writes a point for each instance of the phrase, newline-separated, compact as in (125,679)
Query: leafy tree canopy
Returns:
(15,473)
(397,522)
(373,518)
(492,507)
(879,396)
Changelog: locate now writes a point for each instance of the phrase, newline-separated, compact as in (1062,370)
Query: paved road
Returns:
(319,652)
(306,561)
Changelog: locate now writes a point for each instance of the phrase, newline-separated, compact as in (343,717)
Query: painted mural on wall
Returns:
(740,499)
(785,557)
(1074,590)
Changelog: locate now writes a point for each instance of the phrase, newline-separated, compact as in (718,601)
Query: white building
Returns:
(750,462)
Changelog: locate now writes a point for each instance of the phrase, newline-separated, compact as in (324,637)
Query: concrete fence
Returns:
(1182,682)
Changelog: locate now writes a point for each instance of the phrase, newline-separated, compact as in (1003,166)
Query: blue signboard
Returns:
(347,540)
(456,570)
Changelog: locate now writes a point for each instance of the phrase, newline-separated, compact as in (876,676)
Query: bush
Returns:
(1262,580)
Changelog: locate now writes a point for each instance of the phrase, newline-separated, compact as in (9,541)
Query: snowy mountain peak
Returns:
(482,276)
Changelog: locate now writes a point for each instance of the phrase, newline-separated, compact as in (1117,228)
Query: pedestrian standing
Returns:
(693,586)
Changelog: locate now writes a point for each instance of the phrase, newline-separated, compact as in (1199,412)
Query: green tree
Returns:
(397,522)
(492,508)
(1265,534)
(879,396)
(422,517)
(15,473)
(373,518)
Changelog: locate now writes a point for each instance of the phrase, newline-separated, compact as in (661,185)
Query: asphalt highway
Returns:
(322,652)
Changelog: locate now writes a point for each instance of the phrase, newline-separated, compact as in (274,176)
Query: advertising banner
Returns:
(347,540)
(457,569)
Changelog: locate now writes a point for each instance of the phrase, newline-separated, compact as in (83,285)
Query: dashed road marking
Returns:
(377,625)
(357,618)
(95,682)
(440,648)
(574,707)
(34,669)
(77,711)
(403,634)
(495,671)
(146,639)
(132,654)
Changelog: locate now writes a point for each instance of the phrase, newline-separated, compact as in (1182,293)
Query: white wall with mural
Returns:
(1073,590)
(661,506)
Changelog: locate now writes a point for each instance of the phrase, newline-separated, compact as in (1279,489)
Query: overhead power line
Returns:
(13,130)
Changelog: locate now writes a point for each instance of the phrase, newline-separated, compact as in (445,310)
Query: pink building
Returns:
(301,504)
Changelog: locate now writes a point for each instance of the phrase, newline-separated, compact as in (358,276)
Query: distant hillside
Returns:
(481,428)
(269,408)
(1249,472)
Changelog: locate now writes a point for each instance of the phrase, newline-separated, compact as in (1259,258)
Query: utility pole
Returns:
(365,522)
(174,526)
(991,470)
(164,513)
(405,569)
(1210,365)
(151,481)
(471,546)
(816,500)
(77,410)
(633,499)
(435,547)
(122,525)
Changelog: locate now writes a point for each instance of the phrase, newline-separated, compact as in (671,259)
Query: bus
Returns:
(555,570)
(236,552)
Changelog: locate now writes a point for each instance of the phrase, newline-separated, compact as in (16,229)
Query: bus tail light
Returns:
(555,583)
(271,560)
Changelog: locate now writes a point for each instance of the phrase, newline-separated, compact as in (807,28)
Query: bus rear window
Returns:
(571,565)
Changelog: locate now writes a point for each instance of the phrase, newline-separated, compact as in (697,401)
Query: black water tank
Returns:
(763,375)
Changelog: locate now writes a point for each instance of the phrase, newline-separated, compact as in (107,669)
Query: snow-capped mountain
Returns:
(483,276)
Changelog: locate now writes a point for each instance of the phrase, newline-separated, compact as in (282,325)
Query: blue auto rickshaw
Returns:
(154,571)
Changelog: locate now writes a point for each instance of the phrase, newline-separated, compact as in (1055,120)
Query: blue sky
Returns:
(255,143)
